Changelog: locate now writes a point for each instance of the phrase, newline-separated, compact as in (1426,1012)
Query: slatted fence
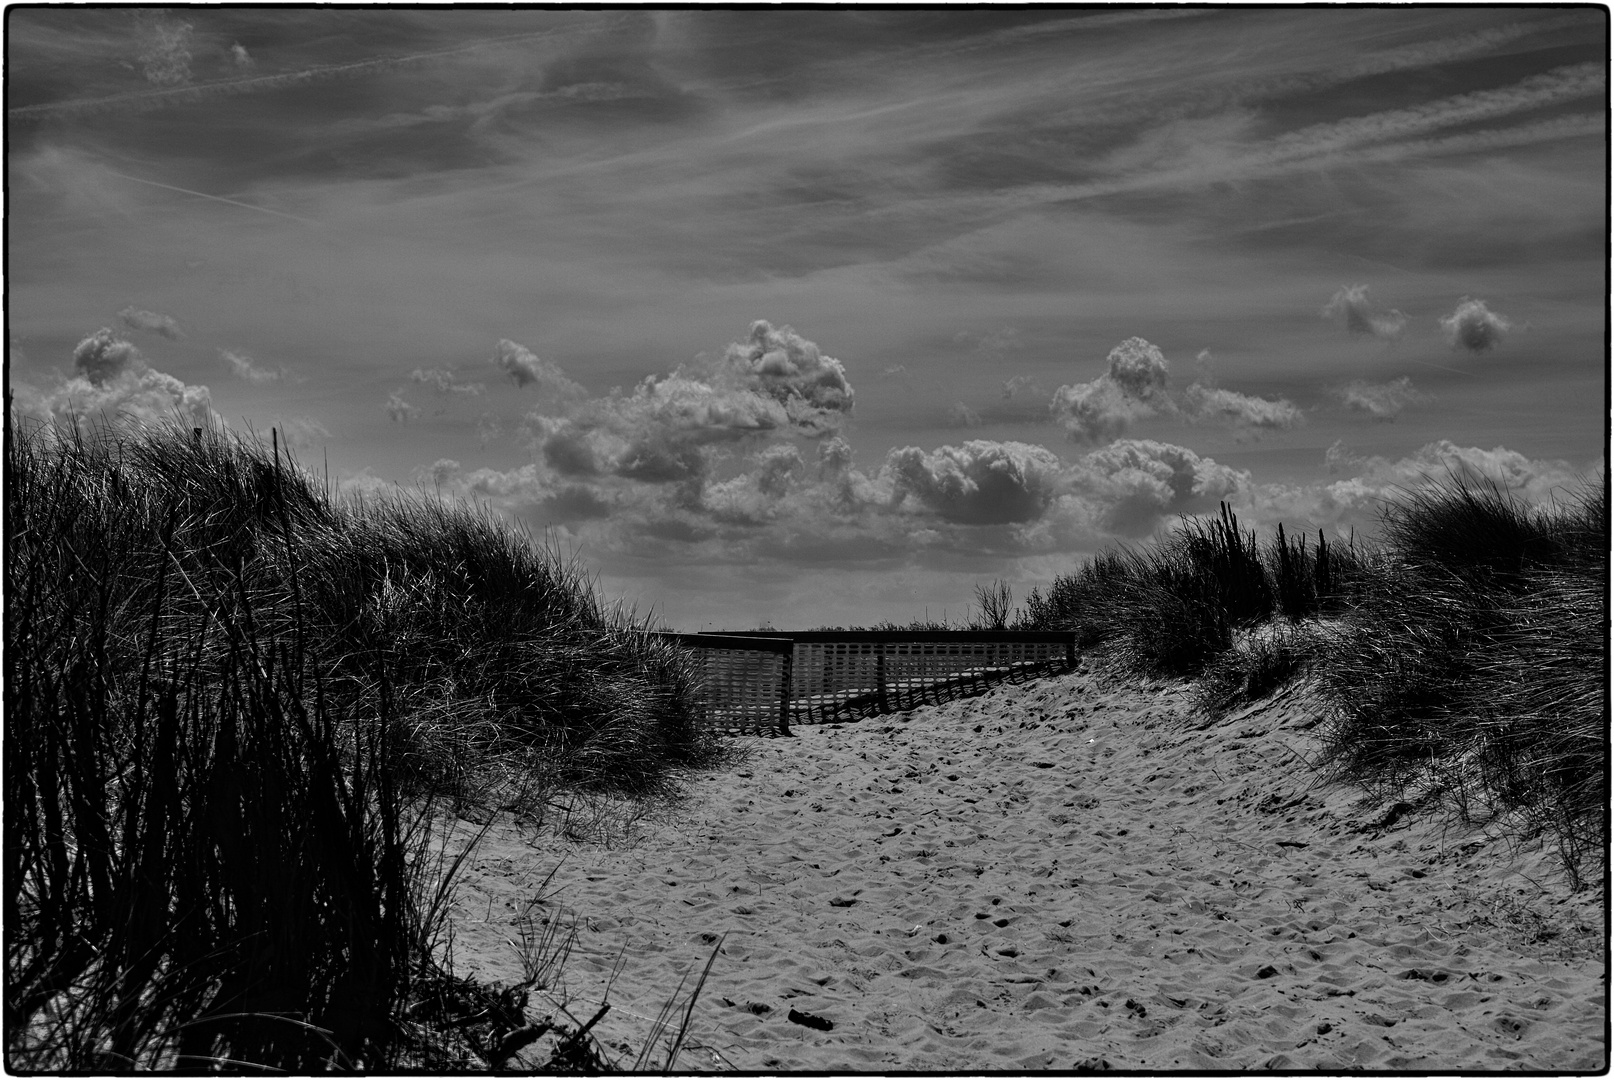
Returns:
(770,680)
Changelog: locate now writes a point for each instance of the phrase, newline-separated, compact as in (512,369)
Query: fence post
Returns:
(785,680)
(1070,653)
(879,674)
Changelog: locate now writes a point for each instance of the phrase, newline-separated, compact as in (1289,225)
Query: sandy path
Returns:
(1056,876)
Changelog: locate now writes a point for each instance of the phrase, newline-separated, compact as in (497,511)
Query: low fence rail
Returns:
(770,680)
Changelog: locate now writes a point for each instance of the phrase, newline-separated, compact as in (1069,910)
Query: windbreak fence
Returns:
(769,680)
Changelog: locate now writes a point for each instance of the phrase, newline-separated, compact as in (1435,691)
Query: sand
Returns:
(1068,874)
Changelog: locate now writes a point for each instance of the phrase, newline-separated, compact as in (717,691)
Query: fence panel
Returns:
(743,681)
(769,680)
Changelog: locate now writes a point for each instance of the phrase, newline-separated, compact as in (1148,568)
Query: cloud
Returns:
(759,494)
(526,369)
(1350,306)
(979,483)
(961,415)
(240,58)
(1241,411)
(165,55)
(245,368)
(783,365)
(1381,401)
(1366,484)
(104,357)
(1133,388)
(111,380)
(151,322)
(1474,327)
(302,434)
(400,410)
(1134,484)
(445,381)
(775,384)
(993,345)
(656,434)
(442,472)
(1017,383)
(1533,479)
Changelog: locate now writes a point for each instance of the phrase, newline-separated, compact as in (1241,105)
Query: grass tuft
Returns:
(231,702)
(1468,657)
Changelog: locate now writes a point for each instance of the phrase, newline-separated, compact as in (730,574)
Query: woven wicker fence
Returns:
(768,681)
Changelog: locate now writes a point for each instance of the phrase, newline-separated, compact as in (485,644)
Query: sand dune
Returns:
(1053,876)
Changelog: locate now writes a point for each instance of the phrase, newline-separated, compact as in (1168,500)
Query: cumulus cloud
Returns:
(245,368)
(112,380)
(978,483)
(1367,484)
(1134,387)
(400,410)
(783,365)
(445,381)
(526,369)
(151,322)
(1251,415)
(1350,307)
(657,433)
(1474,327)
(775,384)
(1532,479)
(759,494)
(1136,483)
(1381,401)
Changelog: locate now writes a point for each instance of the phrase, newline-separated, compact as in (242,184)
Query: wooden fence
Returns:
(767,681)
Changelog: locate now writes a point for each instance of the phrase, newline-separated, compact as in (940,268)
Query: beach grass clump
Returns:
(198,876)
(505,650)
(1163,610)
(1467,656)
(1260,662)
(230,703)
(1477,661)
(1322,579)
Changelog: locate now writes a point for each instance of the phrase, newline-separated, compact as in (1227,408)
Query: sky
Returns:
(825,317)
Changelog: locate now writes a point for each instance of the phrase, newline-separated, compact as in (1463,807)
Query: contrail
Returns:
(1443,367)
(216,198)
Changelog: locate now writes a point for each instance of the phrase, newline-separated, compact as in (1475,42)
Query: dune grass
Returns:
(233,703)
(1468,655)
(1478,662)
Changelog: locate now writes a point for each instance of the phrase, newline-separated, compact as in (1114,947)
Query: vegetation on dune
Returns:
(1468,656)
(231,704)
